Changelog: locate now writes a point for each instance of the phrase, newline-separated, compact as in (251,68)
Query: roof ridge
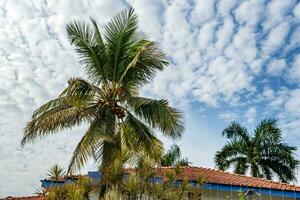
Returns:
(243,175)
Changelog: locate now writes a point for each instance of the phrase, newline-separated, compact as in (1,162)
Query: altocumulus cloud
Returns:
(239,58)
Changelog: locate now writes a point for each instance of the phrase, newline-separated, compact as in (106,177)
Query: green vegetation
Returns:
(56,173)
(137,185)
(173,157)
(263,152)
(118,61)
(72,191)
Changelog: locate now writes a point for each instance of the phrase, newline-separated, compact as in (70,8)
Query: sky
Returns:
(229,60)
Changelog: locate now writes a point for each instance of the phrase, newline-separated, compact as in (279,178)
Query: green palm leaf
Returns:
(158,114)
(90,48)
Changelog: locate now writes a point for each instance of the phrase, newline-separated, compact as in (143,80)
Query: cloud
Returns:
(203,11)
(228,116)
(275,39)
(250,115)
(296,10)
(294,72)
(292,105)
(251,8)
(276,66)
(277,12)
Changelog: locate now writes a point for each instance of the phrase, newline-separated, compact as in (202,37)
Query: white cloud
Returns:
(245,43)
(225,7)
(292,105)
(296,10)
(275,39)
(250,115)
(229,116)
(276,12)
(294,72)
(256,66)
(146,8)
(276,66)
(206,35)
(246,9)
(203,11)
(224,34)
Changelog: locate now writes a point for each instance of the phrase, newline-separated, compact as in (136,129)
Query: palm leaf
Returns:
(92,140)
(145,59)
(137,135)
(230,150)
(120,34)
(56,119)
(92,54)
(158,114)
(235,130)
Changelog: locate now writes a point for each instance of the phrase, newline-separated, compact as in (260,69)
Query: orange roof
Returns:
(220,177)
(25,198)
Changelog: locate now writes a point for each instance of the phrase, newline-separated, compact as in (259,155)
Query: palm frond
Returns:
(158,114)
(267,131)
(235,130)
(172,155)
(91,141)
(145,59)
(120,34)
(229,150)
(92,53)
(81,88)
(137,135)
(284,172)
(56,119)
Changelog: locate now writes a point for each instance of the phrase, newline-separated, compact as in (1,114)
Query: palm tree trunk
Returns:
(254,170)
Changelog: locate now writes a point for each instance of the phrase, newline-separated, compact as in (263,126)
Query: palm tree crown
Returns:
(263,152)
(56,173)
(118,61)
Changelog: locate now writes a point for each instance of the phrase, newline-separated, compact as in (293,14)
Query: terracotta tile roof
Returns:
(25,198)
(226,178)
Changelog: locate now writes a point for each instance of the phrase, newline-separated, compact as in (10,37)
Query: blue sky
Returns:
(230,60)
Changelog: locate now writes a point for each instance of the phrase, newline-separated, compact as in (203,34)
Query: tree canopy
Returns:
(263,153)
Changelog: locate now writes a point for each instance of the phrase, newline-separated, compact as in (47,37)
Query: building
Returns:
(218,185)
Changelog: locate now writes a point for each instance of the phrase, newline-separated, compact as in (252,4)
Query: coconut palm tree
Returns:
(118,61)
(263,152)
(173,157)
(56,173)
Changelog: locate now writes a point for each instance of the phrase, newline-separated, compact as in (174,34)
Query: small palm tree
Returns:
(56,173)
(118,60)
(113,194)
(41,192)
(173,157)
(263,152)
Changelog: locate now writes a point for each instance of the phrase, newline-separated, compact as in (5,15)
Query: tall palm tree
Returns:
(56,173)
(118,60)
(263,152)
(173,157)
